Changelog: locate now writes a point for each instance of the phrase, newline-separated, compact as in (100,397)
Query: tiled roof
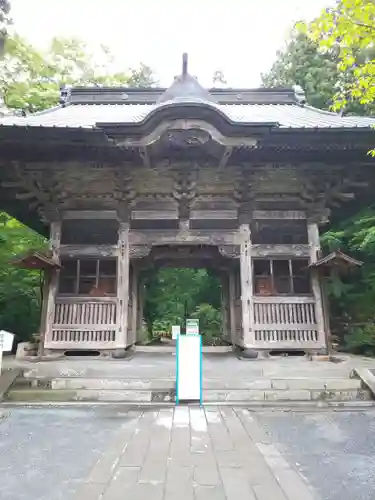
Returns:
(285,115)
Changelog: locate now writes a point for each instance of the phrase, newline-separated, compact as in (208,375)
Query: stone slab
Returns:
(316,383)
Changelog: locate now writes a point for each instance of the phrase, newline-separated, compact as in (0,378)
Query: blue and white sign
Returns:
(189,368)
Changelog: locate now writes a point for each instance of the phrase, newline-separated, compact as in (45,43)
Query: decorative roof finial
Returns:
(184,64)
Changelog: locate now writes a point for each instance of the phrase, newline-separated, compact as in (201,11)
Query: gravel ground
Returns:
(335,451)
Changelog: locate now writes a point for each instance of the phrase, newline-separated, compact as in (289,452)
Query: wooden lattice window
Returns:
(281,277)
(88,277)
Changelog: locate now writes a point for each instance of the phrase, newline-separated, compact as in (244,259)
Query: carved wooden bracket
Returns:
(244,195)
(184,191)
(124,190)
(230,251)
(139,251)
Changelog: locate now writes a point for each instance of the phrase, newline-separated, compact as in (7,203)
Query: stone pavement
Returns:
(114,452)
(193,454)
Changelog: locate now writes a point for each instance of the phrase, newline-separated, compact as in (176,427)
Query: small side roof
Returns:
(35,260)
(337,258)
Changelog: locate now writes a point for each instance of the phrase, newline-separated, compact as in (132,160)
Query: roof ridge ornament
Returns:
(186,88)
(185,60)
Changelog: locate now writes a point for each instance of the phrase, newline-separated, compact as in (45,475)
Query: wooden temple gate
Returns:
(255,314)
(233,179)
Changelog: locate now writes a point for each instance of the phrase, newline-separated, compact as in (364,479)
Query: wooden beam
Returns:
(279,214)
(280,250)
(184,236)
(73,251)
(89,214)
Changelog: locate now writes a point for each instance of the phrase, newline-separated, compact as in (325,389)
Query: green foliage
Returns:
(31,80)
(317,70)
(353,296)
(361,340)
(348,29)
(172,295)
(301,63)
(19,288)
(209,323)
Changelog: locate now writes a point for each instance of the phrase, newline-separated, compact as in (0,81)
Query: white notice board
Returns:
(189,368)
(176,330)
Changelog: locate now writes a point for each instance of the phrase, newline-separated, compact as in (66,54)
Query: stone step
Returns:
(164,396)
(166,384)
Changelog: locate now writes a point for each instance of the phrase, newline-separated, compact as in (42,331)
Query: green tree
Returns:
(302,63)
(19,288)
(173,293)
(348,28)
(4,21)
(31,80)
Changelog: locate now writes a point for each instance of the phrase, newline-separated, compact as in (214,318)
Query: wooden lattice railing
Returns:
(83,324)
(285,322)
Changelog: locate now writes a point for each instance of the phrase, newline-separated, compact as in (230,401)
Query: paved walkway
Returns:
(110,453)
(193,454)
(178,453)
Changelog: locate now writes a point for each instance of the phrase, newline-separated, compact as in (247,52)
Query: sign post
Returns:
(6,344)
(189,364)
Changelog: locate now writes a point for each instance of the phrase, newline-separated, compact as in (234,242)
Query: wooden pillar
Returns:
(248,339)
(224,305)
(314,242)
(122,286)
(232,311)
(134,295)
(49,308)
(140,309)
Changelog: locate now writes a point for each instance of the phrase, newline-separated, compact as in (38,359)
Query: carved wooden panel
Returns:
(280,250)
